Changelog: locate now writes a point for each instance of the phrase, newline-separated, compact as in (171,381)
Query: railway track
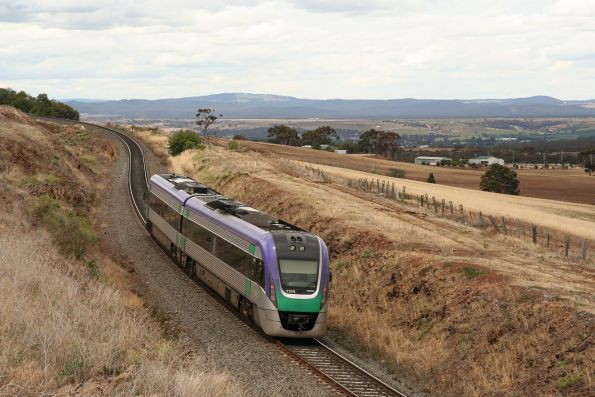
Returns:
(346,376)
(333,368)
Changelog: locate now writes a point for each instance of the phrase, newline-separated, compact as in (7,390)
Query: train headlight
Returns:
(272,291)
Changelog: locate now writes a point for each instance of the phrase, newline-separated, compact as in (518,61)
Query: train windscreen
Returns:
(298,276)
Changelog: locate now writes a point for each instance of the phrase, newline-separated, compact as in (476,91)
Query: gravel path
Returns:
(213,331)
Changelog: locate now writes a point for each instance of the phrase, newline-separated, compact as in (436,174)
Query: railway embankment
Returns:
(453,311)
(70,325)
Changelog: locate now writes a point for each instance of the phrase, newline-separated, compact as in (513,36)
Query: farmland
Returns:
(572,185)
(456,310)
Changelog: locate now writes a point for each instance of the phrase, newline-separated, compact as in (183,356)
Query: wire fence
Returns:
(569,246)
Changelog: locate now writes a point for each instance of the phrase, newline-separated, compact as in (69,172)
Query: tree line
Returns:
(371,141)
(40,105)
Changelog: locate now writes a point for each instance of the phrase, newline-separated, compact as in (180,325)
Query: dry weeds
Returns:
(461,312)
(68,327)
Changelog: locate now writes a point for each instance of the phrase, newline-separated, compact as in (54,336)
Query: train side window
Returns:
(197,234)
(170,215)
(258,272)
(234,257)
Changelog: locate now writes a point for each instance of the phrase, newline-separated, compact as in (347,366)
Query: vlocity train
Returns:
(274,273)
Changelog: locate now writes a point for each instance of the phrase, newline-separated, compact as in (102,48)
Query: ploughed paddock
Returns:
(274,273)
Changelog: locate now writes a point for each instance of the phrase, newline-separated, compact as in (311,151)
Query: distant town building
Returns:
(428,160)
(486,160)
(307,146)
(324,147)
(341,151)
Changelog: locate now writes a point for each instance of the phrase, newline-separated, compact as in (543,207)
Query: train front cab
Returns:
(295,300)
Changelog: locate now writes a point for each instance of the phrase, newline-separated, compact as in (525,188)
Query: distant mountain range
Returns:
(255,106)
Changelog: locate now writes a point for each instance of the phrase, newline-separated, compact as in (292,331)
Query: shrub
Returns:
(500,179)
(431,178)
(183,140)
(233,145)
(471,272)
(396,173)
(71,232)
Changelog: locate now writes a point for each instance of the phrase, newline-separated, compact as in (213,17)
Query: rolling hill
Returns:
(250,106)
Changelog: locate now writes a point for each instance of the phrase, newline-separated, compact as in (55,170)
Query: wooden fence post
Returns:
(585,245)
(434,204)
(493,221)
(452,210)
(566,245)
(548,240)
(403,194)
(443,206)
(534,233)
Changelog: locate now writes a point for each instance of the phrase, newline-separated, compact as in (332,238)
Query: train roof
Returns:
(215,201)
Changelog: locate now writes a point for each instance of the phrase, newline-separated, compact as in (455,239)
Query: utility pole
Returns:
(513,158)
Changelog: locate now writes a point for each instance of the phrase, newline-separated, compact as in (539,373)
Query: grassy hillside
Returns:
(458,311)
(69,323)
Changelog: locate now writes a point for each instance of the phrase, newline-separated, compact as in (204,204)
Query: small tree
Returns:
(204,119)
(380,142)
(284,135)
(183,140)
(431,178)
(319,136)
(500,179)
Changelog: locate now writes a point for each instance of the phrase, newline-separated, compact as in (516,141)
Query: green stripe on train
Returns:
(248,287)
(180,241)
(311,305)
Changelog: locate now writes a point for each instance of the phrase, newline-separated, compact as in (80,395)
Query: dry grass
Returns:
(70,326)
(576,219)
(60,325)
(572,185)
(157,142)
(461,312)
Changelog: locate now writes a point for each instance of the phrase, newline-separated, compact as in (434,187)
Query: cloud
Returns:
(351,48)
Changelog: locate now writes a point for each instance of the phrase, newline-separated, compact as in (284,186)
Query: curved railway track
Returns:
(333,368)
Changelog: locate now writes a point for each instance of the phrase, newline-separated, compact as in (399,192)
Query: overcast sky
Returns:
(305,48)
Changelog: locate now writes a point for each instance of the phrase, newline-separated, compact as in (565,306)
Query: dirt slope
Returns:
(69,325)
(458,311)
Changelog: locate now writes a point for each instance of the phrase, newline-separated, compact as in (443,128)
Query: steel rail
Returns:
(348,378)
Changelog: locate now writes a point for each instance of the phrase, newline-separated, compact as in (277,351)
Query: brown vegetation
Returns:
(572,185)
(459,311)
(69,325)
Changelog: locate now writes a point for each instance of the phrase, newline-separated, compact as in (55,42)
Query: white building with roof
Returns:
(486,160)
(429,160)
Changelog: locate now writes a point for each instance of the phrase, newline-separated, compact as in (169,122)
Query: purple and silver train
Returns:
(274,273)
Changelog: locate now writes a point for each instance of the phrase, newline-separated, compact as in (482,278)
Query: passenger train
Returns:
(274,273)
